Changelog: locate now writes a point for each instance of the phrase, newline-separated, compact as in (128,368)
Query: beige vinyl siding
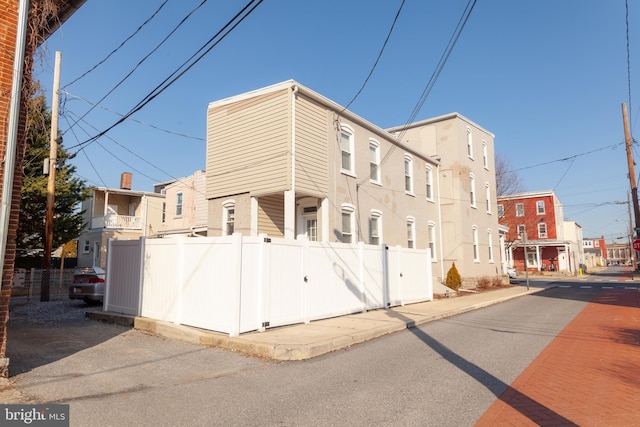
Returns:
(311,148)
(248,145)
(271,215)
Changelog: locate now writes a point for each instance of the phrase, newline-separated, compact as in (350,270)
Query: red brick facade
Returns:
(8,32)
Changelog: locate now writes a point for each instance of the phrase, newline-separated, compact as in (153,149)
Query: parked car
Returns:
(88,284)
(512,272)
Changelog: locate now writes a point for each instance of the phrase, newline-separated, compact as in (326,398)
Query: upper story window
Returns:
(408,173)
(500,211)
(485,155)
(487,193)
(346,149)
(228,218)
(469,144)
(540,207)
(429,185)
(472,190)
(348,223)
(521,230)
(519,209)
(375,227)
(164,212)
(374,161)
(542,230)
(86,247)
(476,252)
(178,204)
(411,232)
(490,243)
(431,234)
(596,244)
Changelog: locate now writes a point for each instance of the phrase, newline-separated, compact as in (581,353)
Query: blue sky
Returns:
(547,78)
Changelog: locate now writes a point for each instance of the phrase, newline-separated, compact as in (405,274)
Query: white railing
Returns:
(120,222)
(236,284)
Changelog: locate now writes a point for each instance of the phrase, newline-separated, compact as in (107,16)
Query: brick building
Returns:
(45,16)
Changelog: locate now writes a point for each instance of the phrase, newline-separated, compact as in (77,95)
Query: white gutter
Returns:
(12,137)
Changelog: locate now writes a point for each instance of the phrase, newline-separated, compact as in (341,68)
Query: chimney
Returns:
(125,181)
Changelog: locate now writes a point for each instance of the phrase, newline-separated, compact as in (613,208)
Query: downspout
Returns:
(12,137)
(293,156)
(442,273)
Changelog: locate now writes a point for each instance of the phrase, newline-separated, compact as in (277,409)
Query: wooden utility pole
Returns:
(51,185)
(631,163)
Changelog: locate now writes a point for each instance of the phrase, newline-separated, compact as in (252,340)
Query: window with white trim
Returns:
(485,155)
(431,233)
(469,144)
(411,232)
(476,252)
(86,247)
(540,207)
(178,204)
(374,161)
(521,229)
(346,149)
(164,212)
(348,223)
(519,209)
(429,185)
(487,194)
(542,230)
(375,227)
(500,211)
(408,173)
(228,218)
(490,243)
(472,190)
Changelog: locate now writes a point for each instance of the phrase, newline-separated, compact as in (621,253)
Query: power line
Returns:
(197,138)
(143,59)
(222,33)
(443,60)
(120,46)
(379,56)
(568,158)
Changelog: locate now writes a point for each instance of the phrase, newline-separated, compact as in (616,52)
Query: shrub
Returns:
(453,278)
(484,283)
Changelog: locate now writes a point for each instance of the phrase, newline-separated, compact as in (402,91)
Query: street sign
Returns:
(636,244)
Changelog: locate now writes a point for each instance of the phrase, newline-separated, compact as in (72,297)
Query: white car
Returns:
(512,272)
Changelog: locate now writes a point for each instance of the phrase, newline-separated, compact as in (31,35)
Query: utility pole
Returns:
(631,163)
(51,185)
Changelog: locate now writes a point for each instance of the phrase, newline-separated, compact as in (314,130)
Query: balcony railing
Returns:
(117,222)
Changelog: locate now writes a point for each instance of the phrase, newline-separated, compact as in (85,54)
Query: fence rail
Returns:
(236,284)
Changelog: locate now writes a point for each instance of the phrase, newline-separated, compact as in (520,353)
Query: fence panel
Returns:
(160,285)
(123,287)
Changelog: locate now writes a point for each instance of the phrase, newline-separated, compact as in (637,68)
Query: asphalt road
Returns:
(445,373)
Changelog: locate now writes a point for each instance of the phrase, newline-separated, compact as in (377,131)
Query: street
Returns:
(444,373)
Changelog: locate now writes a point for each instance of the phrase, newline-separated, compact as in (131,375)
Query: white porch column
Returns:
(289,214)
(254,216)
(324,218)
(538,257)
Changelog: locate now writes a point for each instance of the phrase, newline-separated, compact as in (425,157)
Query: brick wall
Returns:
(8,29)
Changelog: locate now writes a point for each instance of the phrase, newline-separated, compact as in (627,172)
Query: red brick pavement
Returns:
(588,376)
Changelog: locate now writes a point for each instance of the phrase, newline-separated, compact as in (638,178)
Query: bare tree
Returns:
(507,180)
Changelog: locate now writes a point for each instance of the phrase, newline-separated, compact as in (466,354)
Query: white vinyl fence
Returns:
(235,284)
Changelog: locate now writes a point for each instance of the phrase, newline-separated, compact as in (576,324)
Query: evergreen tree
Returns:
(69,190)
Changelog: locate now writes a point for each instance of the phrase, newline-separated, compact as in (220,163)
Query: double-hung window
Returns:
(375,227)
(408,173)
(228,218)
(540,210)
(178,204)
(346,150)
(542,230)
(476,252)
(348,223)
(487,193)
(431,233)
(411,232)
(472,190)
(519,209)
(429,185)
(374,161)
(490,243)
(469,144)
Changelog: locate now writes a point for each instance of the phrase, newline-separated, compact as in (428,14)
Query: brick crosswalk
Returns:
(588,376)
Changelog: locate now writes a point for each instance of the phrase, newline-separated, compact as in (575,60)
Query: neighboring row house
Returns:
(538,233)
(595,252)
(285,161)
(117,213)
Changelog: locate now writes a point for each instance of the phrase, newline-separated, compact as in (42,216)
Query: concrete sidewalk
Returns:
(305,341)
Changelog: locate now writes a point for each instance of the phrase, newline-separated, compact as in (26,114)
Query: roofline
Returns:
(438,119)
(528,195)
(340,110)
(128,192)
